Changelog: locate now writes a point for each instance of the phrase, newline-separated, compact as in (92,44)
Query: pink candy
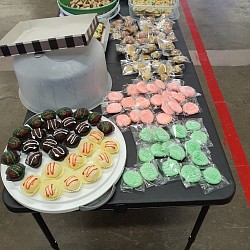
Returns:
(174,86)
(163,118)
(156,100)
(160,84)
(115,96)
(147,116)
(179,97)
(128,102)
(152,88)
(142,88)
(123,120)
(114,108)
(142,102)
(166,109)
(132,90)
(175,106)
(190,108)
(187,91)
(135,116)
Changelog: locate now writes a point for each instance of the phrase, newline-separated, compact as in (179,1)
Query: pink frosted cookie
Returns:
(147,116)
(115,96)
(166,109)
(152,88)
(132,90)
(142,102)
(179,97)
(142,88)
(175,106)
(114,108)
(166,94)
(163,118)
(160,84)
(135,115)
(123,120)
(187,91)
(156,100)
(190,108)
(174,86)
(128,102)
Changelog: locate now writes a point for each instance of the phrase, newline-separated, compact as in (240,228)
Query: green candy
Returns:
(199,158)
(158,151)
(146,134)
(190,173)
(165,146)
(132,179)
(160,135)
(193,125)
(199,136)
(171,167)
(178,131)
(145,155)
(192,146)
(149,172)
(212,175)
(176,152)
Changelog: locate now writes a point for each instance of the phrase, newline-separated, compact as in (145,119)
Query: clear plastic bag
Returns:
(150,173)
(122,121)
(142,133)
(127,67)
(132,180)
(212,180)
(191,107)
(111,108)
(170,168)
(144,152)
(190,175)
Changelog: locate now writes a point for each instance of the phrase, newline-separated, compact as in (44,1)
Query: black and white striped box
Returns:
(48,34)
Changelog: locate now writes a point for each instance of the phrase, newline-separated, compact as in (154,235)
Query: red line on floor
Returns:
(230,134)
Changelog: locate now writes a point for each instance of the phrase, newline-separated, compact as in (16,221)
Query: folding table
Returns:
(171,194)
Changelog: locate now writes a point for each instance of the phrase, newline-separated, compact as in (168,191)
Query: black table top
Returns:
(173,193)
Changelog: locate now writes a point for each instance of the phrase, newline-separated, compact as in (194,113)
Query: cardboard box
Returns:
(48,34)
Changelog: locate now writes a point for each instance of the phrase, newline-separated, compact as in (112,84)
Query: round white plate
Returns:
(68,202)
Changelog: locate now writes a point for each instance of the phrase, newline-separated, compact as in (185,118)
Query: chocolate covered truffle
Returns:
(62,113)
(10,157)
(106,127)
(38,134)
(52,125)
(82,128)
(48,114)
(14,144)
(36,122)
(22,133)
(15,172)
(48,144)
(69,123)
(81,114)
(58,153)
(72,140)
(94,118)
(34,159)
(30,146)
(61,134)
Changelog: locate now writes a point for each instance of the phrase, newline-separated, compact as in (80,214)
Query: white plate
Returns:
(70,201)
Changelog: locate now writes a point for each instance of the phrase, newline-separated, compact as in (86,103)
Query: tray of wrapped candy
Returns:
(60,161)
(169,8)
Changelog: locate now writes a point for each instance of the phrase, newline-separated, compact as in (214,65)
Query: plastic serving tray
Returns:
(138,8)
(68,202)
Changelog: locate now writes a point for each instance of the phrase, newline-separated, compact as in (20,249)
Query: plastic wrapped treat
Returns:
(212,180)
(132,180)
(151,174)
(190,175)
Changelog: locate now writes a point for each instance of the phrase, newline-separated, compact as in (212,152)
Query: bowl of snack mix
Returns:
(78,7)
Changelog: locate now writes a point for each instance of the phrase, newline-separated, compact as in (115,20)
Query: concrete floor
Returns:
(223,25)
